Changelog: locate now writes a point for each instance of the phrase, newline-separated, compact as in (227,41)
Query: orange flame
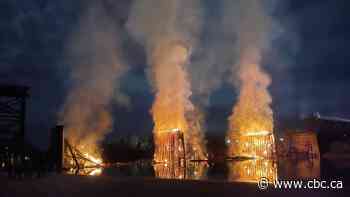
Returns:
(172,102)
(251,122)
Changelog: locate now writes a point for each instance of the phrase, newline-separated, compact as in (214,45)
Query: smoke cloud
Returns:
(213,59)
(252,26)
(252,114)
(95,56)
(169,31)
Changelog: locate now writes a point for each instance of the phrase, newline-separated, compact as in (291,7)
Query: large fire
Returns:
(172,128)
(255,146)
(79,160)
(96,67)
(172,146)
(168,32)
(251,122)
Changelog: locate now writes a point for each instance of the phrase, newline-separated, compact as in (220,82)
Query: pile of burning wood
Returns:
(77,162)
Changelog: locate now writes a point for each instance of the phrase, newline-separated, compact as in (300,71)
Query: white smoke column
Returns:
(168,30)
(252,112)
(94,53)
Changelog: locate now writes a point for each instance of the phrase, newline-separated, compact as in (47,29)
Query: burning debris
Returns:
(93,53)
(251,123)
(78,162)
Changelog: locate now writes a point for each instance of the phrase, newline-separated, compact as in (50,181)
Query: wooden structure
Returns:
(12,120)
(64,156)
(170,147)
(75,160)
(57,148)
(301,144)
(252,146)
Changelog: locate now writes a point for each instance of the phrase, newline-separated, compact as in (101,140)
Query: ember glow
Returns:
(97,171)
(94,159)
(253,146)
(81,162)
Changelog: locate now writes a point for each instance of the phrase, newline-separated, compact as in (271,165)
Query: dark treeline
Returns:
(127,148)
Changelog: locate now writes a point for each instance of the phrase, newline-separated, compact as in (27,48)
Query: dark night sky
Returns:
(308,63)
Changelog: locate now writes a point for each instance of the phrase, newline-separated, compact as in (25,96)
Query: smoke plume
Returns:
(168,30)
(251,23)
(94,53)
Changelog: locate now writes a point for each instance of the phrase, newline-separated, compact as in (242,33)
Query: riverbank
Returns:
(86,186)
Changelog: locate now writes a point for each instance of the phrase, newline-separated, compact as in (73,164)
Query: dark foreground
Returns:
(104,186)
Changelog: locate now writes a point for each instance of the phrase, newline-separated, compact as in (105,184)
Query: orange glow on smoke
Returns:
(172,103)
(251,122)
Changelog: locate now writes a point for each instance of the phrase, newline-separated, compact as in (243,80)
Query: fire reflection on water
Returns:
(176,170)
(252,170)
(235,171)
